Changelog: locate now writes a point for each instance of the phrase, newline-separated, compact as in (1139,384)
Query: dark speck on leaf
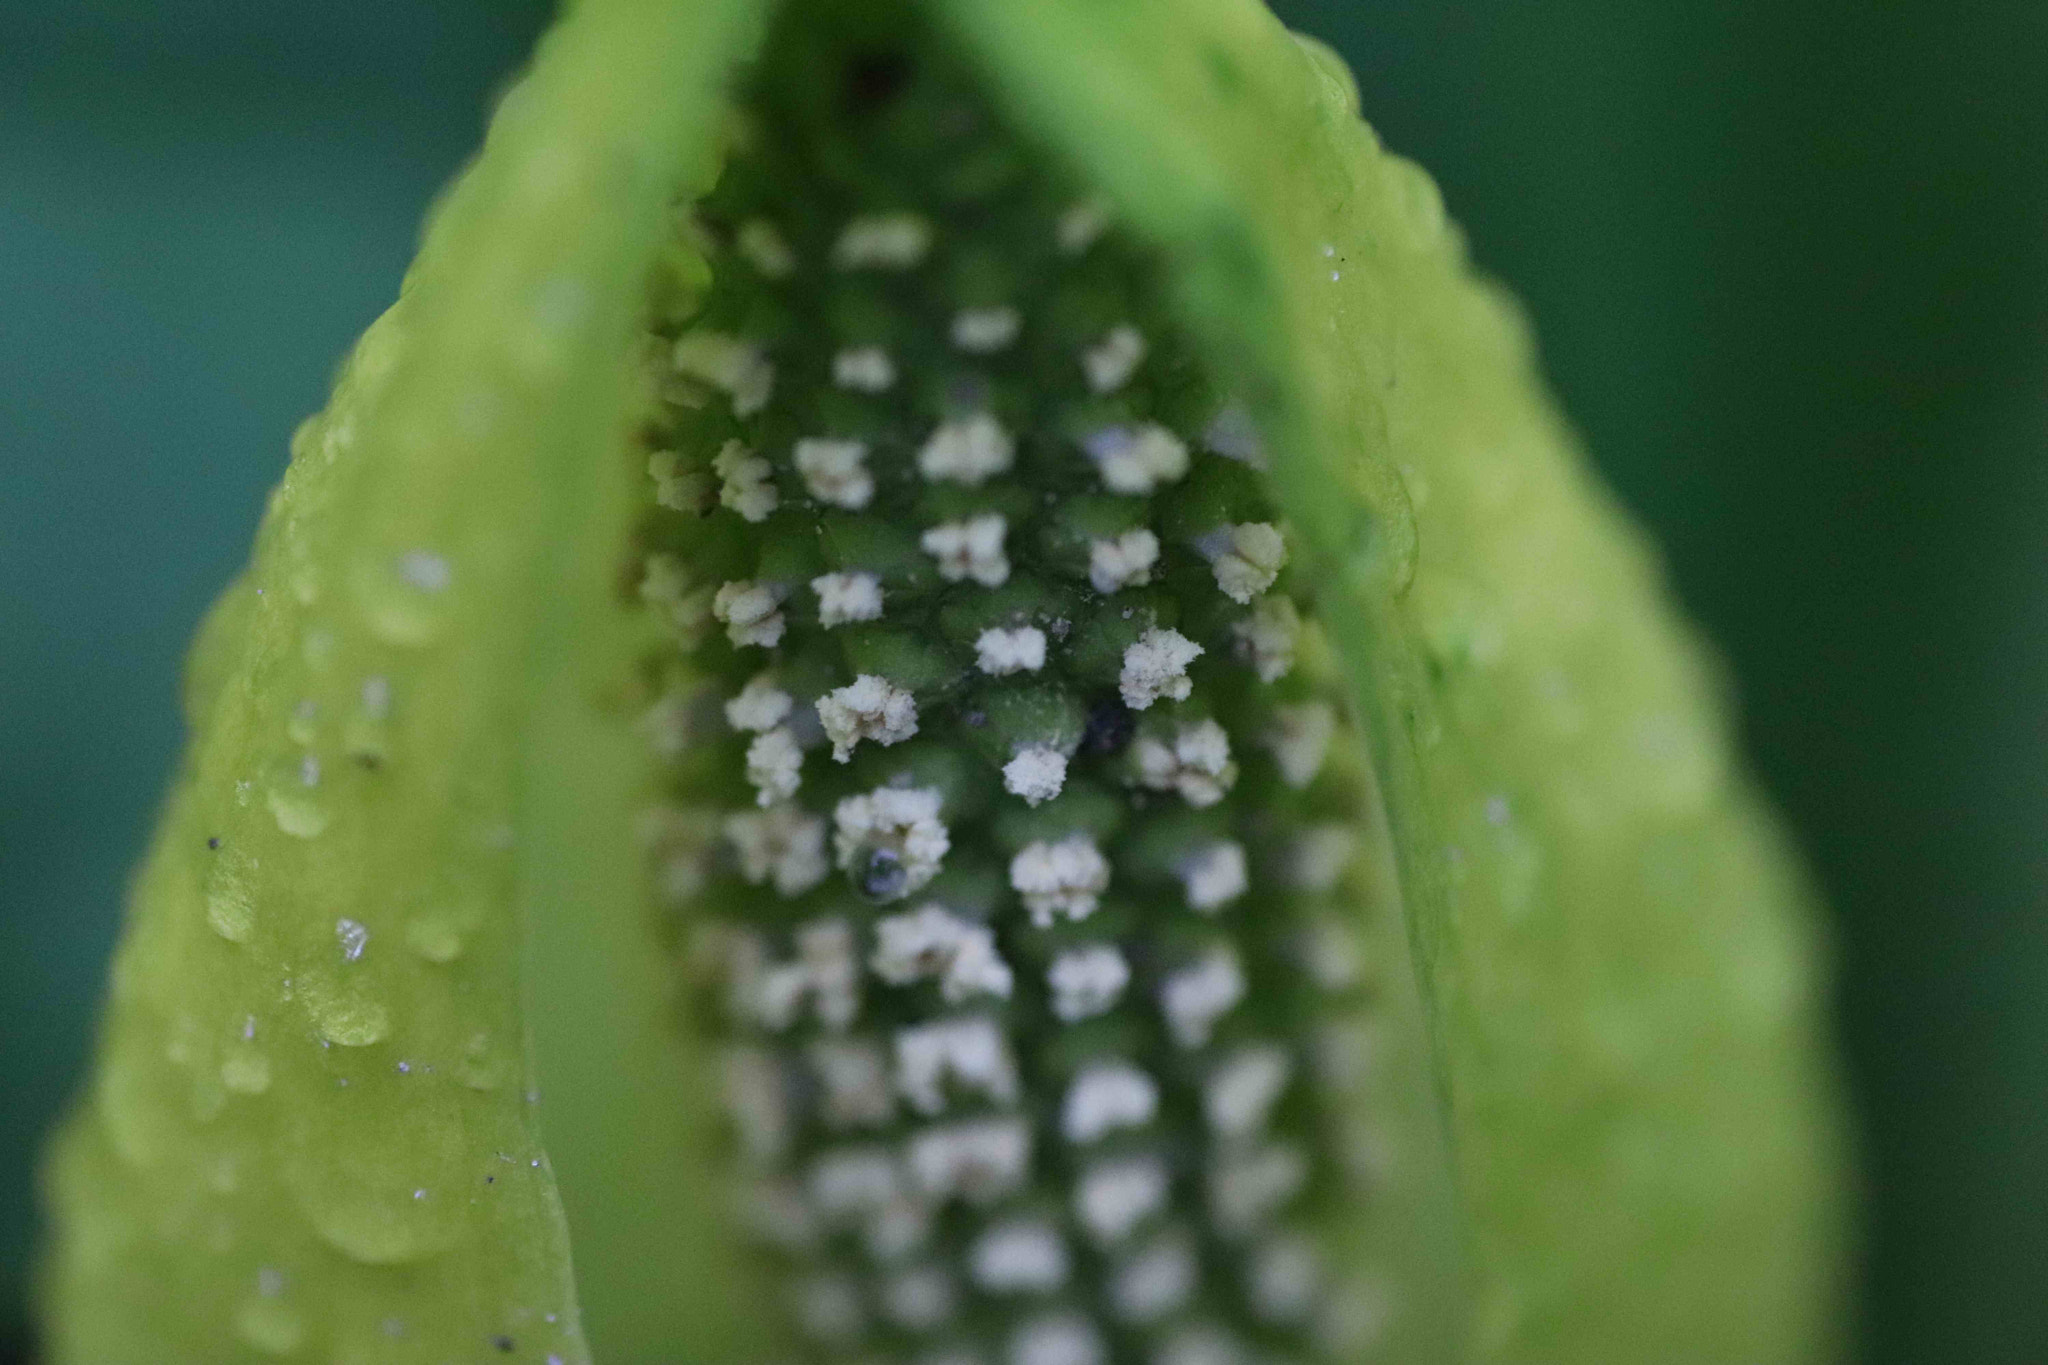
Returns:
(503,1343)
(214,842)
(1110,726)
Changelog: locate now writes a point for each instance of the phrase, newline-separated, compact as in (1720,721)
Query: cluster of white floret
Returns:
(929,1112)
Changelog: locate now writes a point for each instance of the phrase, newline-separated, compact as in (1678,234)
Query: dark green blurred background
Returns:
(1789,262)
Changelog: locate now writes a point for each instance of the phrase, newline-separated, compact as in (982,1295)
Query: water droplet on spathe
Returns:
(353,937)
(299,816)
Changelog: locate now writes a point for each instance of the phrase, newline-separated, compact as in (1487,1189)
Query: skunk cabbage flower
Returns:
(943,690)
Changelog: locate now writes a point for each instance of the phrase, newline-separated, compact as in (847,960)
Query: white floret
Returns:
(981,331)
(1155,1282)
(1215,876)
(757,1097)
(903,822)
(1037,774)
(1000,652)
(1125,562)
(1284,1279)
(1240,1092)
(675,486)
(1110,363)
(1104,1097)
(828,1309)
(1195,763)
(751,613)
(1087,981)
(968,1050)
(1062,1338)
(1251,1185)
(920,1299)
(775,765)
(729,364)
(1080,225)
(967,450)
(1195,997)
(760,705)
(1156,666)
(764,247)
(1330,952)
(882,241)
(869,707)
(746,482)
(1300,740)
(777,1212)
(1318,857)
(897,1230)
(825,951)
(666,724)
(1021,1256)
(848,1182)
(981,1161)
(970,548)
(932,942)
(847,598)
(1266,639)
(682,604)
(853,1078)
(782,843)
(1136,460)
(1251,561)
(835,471)
(679,842)
(1232,434)
(1063,878)
(1114,1196)
(864,369)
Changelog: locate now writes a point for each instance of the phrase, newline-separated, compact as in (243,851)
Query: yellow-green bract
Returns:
(393,888)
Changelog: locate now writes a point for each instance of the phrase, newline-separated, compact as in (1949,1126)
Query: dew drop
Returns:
(437,938)
(297,815)
(270,1326)
(353,937)
(347,1018)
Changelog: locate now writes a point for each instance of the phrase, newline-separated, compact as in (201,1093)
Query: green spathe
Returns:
(310,1132)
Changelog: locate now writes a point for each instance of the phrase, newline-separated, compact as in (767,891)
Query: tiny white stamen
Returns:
(1087,981)
(980,1161)
(882,241)
(1266,638)
(932,942)
(1195,764)
(1104,1097)
(1241,1091)
(762,243)
(760,705)
(1036,774)
(751,613)
(746,482)
(1155,1282)
(1110,363)
(1057,1339)
(967,450)
(903,822)
(835,471)
(1000,652)
(869,707)
(969,1050)
(1080,225)
(783,843)
(675,487)
(983,331)
(729,364)
(1300,740)
(847,598)
(971,548)
(1249,1187)
(1064,878)
(1125,562)
(1113,1197)
(864,369)
(1136,460)
(1251,562)
(1157,666)
(775,765)
(1195,997)
(1216,876)
(1018,1257)
(854,1076)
